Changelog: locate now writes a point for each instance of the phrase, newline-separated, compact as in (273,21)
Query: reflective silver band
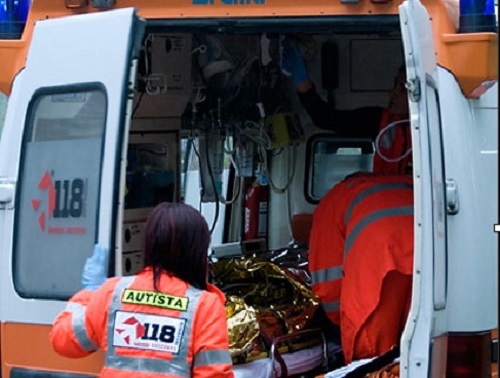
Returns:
(78,323)
(212,357)
(374,189)
(147,365)
(331,306)
(373,217)
(326,275)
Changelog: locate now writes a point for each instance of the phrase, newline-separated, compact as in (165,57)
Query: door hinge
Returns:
(413,88)
(452,203)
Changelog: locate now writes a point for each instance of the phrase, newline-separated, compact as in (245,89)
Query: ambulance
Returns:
(112,106)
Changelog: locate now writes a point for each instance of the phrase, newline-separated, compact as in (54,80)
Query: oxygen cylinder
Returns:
(256,208)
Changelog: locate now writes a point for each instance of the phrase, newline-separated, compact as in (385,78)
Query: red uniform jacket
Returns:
(178,332)
(362,229)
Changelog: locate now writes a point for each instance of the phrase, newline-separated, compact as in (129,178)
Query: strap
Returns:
(376,364)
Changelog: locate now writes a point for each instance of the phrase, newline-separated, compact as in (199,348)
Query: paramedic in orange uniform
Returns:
(361,241)
(361,260)
(166,321)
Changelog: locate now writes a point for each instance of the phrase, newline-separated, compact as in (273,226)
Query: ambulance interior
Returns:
(212,114)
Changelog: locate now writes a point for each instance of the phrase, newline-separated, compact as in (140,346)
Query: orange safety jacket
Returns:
(178,332)
(394,143)
(362,202)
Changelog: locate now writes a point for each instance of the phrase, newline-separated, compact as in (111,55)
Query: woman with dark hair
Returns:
(166,321)
(183,232)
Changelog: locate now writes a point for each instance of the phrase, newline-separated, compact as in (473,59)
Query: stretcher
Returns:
(282,365)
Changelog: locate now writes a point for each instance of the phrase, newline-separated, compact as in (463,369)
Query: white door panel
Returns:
(61,144)
(427,317)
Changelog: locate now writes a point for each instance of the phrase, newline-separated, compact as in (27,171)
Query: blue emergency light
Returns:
(13,14)
(477,16)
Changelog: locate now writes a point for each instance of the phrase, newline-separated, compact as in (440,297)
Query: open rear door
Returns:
(423,344)
(65,126)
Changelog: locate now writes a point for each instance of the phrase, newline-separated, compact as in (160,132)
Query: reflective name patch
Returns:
(148,332)
(152,298)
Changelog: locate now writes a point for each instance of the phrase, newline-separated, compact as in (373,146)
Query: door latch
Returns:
(452,203)
(7,190)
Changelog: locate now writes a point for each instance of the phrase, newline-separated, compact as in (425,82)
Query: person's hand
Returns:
(94,272)
(293,64)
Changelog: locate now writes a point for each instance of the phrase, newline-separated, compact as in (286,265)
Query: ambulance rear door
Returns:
(423,344)
(60,156)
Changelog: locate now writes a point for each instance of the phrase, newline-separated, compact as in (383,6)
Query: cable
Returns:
(214,186)
(236,194)
(379,137)
(138,103)
(261,139)
(292,163)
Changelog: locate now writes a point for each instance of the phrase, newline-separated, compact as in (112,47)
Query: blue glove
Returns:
(293,64)
(95,270)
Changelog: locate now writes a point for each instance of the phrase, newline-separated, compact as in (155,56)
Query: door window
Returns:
(59,181)
(330,159)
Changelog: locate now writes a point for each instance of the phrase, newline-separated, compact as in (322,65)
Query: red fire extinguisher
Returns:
(256,207)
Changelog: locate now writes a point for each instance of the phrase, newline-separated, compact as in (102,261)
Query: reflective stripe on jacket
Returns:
(335,228)
(379,239)
(144,333)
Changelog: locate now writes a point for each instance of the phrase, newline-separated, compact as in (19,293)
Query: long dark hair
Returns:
(176,240)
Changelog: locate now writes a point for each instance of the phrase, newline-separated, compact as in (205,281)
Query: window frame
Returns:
(21,285)
(347,142)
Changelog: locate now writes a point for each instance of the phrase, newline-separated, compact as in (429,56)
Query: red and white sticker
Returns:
(149,332)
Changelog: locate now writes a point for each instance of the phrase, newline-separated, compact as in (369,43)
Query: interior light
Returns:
(76,4)
(13,14)
(477,16)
